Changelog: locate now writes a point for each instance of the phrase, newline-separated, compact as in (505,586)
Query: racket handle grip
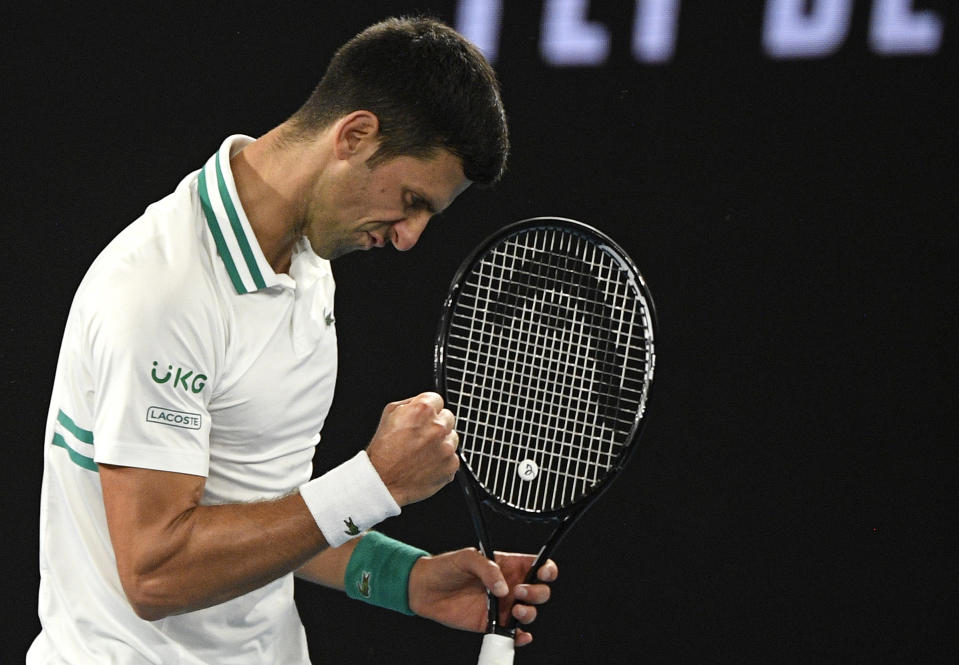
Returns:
(496,650)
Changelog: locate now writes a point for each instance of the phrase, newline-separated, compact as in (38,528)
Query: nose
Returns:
(407,232)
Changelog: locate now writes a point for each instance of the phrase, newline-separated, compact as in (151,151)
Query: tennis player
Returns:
(197,368)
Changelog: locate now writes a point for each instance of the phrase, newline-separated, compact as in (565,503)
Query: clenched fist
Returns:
(414,448)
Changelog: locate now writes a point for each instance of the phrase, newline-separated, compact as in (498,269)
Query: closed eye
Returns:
(418,202)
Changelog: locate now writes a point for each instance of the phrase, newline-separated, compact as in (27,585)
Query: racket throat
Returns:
(476,515)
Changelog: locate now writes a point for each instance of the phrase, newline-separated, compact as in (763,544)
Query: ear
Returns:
(356,135)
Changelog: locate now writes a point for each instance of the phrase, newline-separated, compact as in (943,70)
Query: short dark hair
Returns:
(429,87)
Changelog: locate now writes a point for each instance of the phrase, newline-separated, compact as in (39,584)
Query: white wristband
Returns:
(348,500)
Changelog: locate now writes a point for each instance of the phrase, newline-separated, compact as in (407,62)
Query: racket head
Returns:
(546,342)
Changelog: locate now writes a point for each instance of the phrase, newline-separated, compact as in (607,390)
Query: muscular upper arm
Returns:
(145,513)
(174,555)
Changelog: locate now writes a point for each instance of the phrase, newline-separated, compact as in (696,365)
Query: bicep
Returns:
(144,509)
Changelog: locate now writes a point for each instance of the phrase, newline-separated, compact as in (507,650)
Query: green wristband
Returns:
(379,572)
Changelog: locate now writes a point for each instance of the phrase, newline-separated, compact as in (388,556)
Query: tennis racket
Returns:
(545,354)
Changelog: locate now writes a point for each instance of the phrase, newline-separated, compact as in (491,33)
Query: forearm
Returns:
(174,555)
(329,566)
(374,569)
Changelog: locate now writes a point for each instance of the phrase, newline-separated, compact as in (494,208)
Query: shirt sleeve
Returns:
(151,343)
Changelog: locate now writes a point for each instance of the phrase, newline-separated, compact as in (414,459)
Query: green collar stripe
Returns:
(238,230)
(75,457)
(214,225)
(86,436)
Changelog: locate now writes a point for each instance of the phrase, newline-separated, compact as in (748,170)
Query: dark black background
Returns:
(793,500)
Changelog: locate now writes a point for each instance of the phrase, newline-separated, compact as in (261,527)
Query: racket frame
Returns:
(475,494)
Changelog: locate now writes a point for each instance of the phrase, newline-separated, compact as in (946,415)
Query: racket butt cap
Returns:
(496,650)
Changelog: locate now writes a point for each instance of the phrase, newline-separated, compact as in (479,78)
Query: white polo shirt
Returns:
(183,351)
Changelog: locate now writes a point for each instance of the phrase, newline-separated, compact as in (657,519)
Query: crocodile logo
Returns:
(351,528)
(363,586)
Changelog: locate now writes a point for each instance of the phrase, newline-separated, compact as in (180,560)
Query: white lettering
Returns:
(479,21)
(568,38)
(156,414)
(895,28)
(789,31)
(654,30)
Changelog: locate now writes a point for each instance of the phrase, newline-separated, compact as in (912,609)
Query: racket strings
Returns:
(608,369)
(548,356)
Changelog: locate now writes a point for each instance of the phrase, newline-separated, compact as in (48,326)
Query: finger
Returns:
(488,572)
(548,572)
(451,476)
(393,406)
(431,398)
(446,417)
(522,638)
(525,614)
(453,440)
(535,594)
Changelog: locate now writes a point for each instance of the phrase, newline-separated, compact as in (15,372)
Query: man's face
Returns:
(391,203)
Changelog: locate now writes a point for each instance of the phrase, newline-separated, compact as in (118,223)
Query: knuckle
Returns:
(430,399)
(418,406)
(437,431)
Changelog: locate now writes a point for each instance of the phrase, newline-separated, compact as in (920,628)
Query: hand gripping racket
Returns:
(545,355)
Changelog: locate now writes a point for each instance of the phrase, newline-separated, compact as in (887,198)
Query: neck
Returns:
(270,175)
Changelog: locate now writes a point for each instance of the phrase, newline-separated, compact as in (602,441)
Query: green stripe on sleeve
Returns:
(241,238)
(214,225)
(82,434)
(75,457)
